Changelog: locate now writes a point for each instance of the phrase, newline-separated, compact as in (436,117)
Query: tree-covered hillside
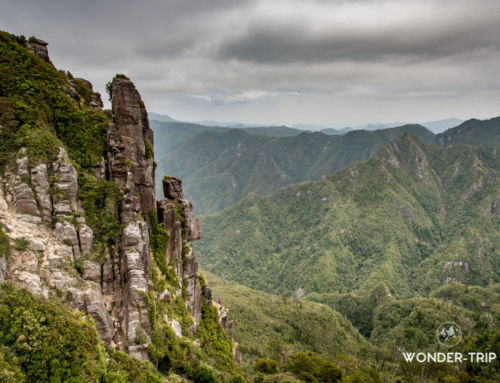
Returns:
(273,330)
(415,217)
(299,325)
(472,132)
(220,168)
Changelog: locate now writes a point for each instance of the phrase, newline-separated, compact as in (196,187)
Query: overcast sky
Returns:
(329,62)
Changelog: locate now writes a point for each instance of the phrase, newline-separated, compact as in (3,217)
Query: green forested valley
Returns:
(220,166)
(415,217)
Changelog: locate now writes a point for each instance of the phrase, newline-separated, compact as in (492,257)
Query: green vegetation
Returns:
(43,341)
(262,160)
(472,132)
(4,244)
(159,242)
(309,367)
(101,200)
(415,217)
(236,162)
(148,149)
(397,245)
(37,113)
(265,323)
(266,366)
(109,85)
(271,329)
(21,244)
(209,362)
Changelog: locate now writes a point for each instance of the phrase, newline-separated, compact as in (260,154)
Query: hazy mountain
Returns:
(220,168)
(171,135)
(274,131)
(442,125)
(438,126)
(472,132)
(160,117)
(335,132)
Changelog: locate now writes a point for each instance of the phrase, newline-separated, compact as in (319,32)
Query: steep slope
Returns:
(80,220)
(170,135)
(42,340)
(299,325)
(415,217)
(219,169)
(472,132)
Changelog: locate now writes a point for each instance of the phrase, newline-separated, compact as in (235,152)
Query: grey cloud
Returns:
(279,60)
(281,43)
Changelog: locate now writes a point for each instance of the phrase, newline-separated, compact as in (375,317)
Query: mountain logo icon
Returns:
(449,334)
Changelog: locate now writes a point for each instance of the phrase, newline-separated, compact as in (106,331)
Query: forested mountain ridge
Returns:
(221,166)
(415,217)
(271,326)
(472,132)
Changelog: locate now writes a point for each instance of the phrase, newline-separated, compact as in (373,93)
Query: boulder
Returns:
(25,200)
(38,48)
(172,188)
(66,233)
(91,271)
(176,326)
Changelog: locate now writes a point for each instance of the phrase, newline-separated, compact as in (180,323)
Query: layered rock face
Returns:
(38,48)
(176,214)
(53,246)
(130,165)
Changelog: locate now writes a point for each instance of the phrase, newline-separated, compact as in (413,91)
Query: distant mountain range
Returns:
(438,126)
(220,166)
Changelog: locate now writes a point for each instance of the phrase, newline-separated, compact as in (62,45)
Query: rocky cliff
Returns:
(97,238)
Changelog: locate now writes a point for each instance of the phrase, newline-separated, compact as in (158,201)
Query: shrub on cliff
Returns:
(43,341)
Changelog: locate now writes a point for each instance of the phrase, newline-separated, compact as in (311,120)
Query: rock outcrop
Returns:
(55,250)
(38,48)
(130,164)
(176,214)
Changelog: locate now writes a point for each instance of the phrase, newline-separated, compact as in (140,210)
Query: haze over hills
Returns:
(221,167)
(472,132)
(437,126)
